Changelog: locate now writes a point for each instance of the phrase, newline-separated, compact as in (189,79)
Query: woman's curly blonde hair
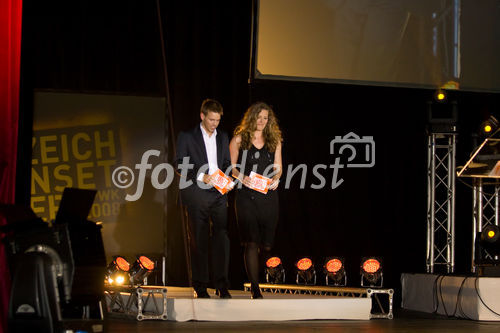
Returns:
(248,125)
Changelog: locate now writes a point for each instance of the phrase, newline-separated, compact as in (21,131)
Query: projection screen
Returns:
(408,43)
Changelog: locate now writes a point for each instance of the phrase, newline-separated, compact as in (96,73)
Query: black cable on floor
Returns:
(441,296)
(458,297)
(459,303)
(435,300)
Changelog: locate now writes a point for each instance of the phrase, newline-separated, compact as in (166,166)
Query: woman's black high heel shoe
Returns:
(255,290)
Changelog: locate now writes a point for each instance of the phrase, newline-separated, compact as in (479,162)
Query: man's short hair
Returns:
(211,105)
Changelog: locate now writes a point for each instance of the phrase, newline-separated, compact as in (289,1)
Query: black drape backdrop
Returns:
(115,47)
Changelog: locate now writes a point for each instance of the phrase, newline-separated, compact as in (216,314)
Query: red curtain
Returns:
(10,60)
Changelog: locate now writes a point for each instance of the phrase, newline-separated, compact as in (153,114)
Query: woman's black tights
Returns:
(252,262)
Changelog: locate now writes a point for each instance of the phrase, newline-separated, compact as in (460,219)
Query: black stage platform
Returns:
(404,321)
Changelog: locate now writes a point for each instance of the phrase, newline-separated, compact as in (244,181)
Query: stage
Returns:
(281,303)
(470,297)
(404,321)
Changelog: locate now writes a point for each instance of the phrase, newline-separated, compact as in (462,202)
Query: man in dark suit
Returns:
(200,152)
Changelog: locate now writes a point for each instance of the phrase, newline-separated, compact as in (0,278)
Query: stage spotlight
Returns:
(275,273)
(488,127)
(440,95)
(490,236)
(335,272)
(305,272)
(117,272)
(371,272)
(140,270)
(442,114)
(488,251)
(57,269)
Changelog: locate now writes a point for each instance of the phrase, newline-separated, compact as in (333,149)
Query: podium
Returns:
(484,169)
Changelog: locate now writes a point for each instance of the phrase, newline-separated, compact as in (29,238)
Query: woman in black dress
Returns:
(256,146)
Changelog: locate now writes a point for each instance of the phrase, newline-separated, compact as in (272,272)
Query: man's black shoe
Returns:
(202,293)
(223,293)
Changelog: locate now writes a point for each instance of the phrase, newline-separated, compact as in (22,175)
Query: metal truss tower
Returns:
(441,200)
(485,212)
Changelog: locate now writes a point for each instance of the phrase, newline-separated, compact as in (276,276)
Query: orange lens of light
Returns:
(122,264)
(371,265)
(440,96)
(334,265)
(273,262)
(304,264)
(147,263)
(487,128)
(491,234)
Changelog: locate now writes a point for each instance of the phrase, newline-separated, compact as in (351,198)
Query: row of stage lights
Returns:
(121,272)
(333,268)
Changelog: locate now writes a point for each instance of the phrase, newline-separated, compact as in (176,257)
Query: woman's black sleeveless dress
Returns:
(256,213)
